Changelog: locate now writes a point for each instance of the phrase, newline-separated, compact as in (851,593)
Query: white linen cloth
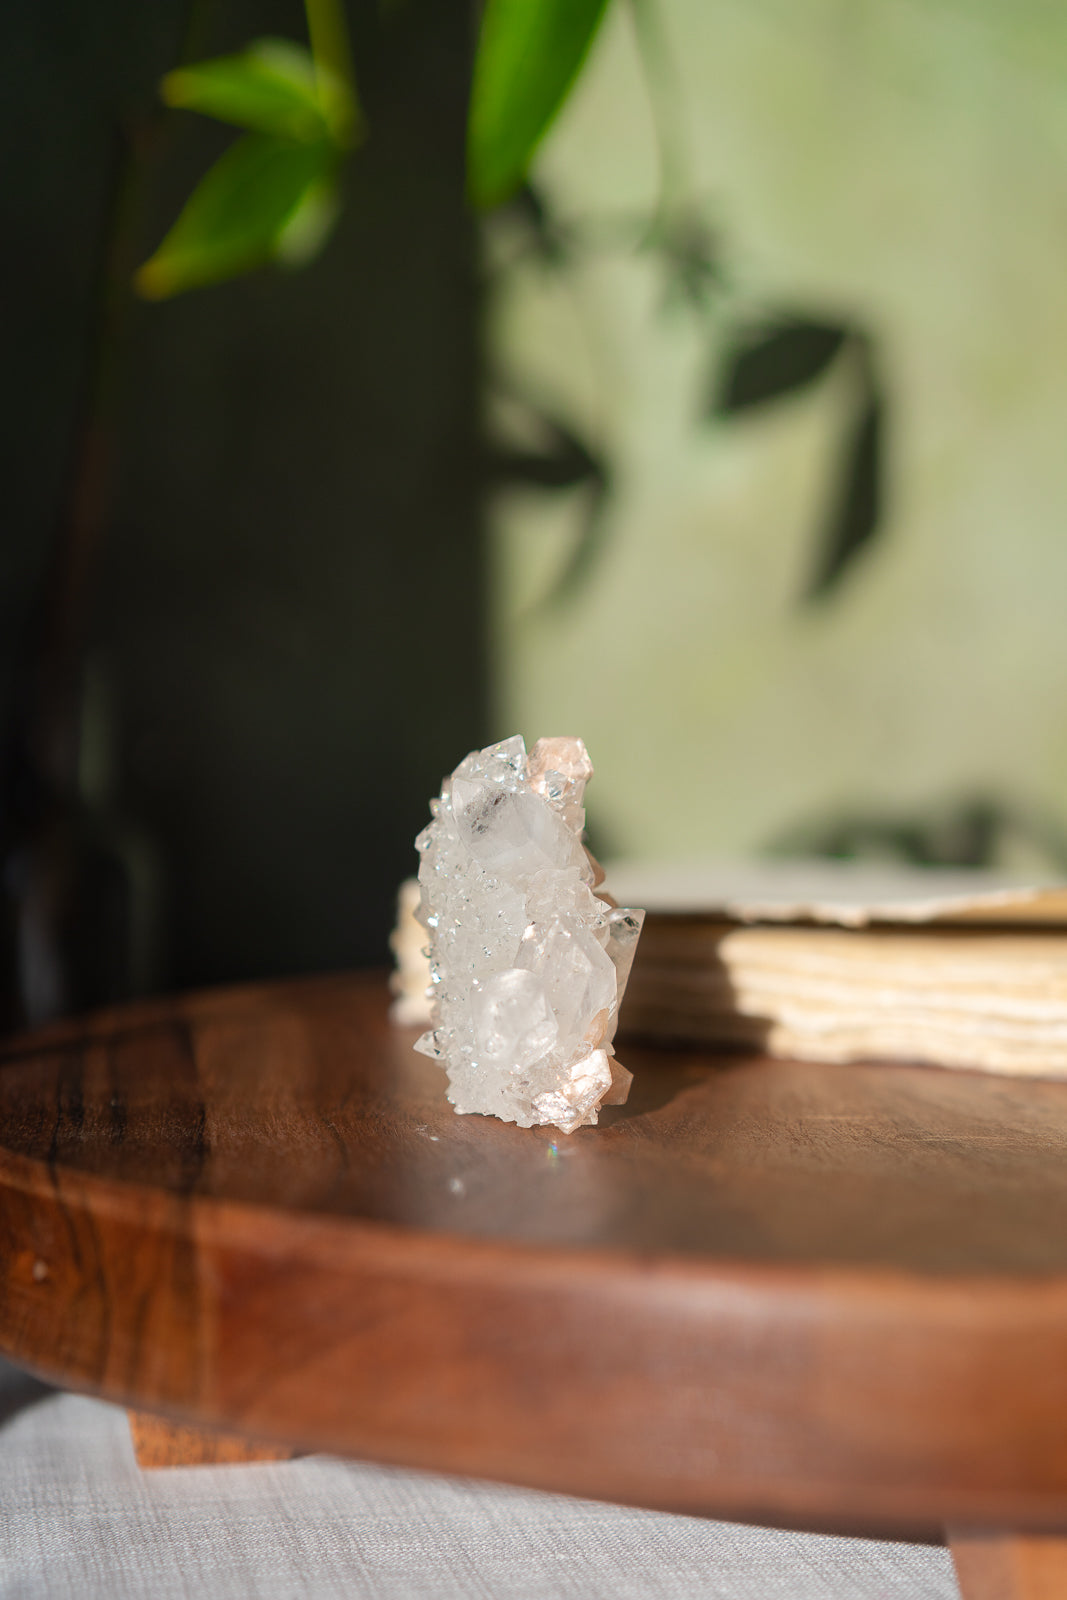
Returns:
(80,1521)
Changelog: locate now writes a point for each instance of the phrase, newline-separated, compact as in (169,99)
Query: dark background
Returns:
(284,626)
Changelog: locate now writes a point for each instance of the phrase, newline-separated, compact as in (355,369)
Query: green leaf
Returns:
(271,87)
(310,225)
(856,515)
(529,54)
(242,214)
(778,361)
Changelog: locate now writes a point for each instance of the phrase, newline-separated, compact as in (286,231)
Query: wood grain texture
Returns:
(1000,1566)
(832,1296)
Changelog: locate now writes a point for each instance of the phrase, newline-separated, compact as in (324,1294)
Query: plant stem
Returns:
(332,54)
(665,99)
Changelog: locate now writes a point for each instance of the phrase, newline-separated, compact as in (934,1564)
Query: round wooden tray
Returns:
(826,1296)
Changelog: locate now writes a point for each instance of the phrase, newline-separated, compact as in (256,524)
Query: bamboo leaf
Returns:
(271,87)
(310,225)
(777,362)
(529,53)
(244,212)
(856,516)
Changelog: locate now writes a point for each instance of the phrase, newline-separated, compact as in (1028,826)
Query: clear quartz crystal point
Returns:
(528,965)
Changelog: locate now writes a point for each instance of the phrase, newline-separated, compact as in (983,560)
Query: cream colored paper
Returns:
(848,894)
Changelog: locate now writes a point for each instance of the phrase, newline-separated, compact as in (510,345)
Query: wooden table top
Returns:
(825,1295)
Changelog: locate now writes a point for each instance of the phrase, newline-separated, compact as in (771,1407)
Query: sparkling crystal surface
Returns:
(527,964)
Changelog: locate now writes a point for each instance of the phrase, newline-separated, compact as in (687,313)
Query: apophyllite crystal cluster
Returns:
(527,964)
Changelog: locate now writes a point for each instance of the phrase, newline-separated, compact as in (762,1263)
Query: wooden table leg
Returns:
(157,1443)
(1005,1566)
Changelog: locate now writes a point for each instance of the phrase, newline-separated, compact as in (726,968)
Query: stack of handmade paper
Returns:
(834,962)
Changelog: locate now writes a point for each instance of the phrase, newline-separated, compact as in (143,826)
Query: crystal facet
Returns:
(528,965)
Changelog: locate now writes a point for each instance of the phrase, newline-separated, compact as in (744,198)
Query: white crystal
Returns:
(577,975)
(513,1021)
(527,964)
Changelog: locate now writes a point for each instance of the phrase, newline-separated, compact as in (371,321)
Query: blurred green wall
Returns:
(900,166)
